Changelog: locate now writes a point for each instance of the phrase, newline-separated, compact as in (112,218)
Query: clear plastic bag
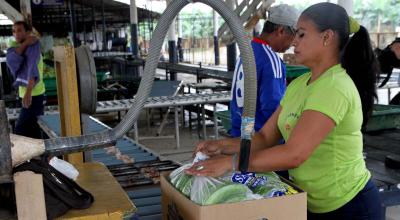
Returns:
(64,167)
(182,181)
(203,187)
(208,190)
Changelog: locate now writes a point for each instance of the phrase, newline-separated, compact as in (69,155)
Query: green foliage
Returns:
(370,12)
(197,24)
(367,12)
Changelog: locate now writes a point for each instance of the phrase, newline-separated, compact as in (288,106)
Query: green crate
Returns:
(101,76)
(51,86)
(225,117)
(384,117)
(51,83)
(295,71)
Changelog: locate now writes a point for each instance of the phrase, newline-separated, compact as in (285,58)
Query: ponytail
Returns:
(361,64)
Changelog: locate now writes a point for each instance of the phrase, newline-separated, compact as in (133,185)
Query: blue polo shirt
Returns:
(271,86)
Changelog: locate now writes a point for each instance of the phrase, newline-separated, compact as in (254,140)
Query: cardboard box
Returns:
(175,206)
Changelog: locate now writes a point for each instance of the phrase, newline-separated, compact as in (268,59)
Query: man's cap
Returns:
(283,15)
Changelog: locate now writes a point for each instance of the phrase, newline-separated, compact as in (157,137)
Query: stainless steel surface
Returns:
(152,102)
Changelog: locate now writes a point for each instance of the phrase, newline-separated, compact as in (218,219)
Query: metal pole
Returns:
(203,113)
(72,21)
(180,38)
(215,121)
(231,48)
(136,135)
(84,23)
(134,28)
(173,58)
(216,42)
(103,26)
(178,145)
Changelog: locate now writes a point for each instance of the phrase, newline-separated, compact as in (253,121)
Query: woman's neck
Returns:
(321,67)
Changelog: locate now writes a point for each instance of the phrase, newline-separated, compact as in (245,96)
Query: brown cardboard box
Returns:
(175,206)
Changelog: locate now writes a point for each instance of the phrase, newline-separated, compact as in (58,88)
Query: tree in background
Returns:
(378,16)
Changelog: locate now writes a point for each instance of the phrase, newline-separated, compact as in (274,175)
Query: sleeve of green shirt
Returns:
(330,101)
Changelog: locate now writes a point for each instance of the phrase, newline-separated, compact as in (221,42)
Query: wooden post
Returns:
(10,12)
(29,195)
(67,93)
(25,7)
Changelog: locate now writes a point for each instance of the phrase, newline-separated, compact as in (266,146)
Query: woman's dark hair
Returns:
(26,26)
(357,55)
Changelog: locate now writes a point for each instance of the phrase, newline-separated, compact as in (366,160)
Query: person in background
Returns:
(320,119)
(276,37)
(26,65)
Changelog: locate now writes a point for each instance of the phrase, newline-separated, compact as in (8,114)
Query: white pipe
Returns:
(215,23)
(348,5)
(133,12)
(180,34)
(171,31)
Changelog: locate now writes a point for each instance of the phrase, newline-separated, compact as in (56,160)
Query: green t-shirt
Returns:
(336,171)
(39,88)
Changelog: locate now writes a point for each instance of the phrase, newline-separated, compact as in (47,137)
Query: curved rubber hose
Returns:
(73,144)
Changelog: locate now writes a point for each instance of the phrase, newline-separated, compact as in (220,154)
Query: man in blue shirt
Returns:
(276,37)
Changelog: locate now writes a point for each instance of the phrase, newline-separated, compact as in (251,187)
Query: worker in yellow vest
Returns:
(26,65)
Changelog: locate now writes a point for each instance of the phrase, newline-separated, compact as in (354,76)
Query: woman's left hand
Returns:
(215,166)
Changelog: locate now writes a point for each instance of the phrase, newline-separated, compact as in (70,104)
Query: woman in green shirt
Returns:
(320,118)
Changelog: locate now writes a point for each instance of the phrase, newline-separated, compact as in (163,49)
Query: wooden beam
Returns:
(10,12)
(14,15)
(29,195)
(67,93)
(26,11)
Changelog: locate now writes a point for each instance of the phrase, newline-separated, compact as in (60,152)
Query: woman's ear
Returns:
(327,37)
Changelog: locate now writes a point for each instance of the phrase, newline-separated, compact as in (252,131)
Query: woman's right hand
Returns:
(209,147)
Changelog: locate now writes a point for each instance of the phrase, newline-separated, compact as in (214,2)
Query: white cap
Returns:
(283,15)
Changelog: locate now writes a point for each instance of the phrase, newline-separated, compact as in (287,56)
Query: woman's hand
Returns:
(214,167)
(209,147)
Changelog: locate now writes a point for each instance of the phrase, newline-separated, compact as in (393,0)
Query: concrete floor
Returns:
(165,144)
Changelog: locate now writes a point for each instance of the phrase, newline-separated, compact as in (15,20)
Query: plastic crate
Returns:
(384,117)
(225,117)
(295,71)
(50,85)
